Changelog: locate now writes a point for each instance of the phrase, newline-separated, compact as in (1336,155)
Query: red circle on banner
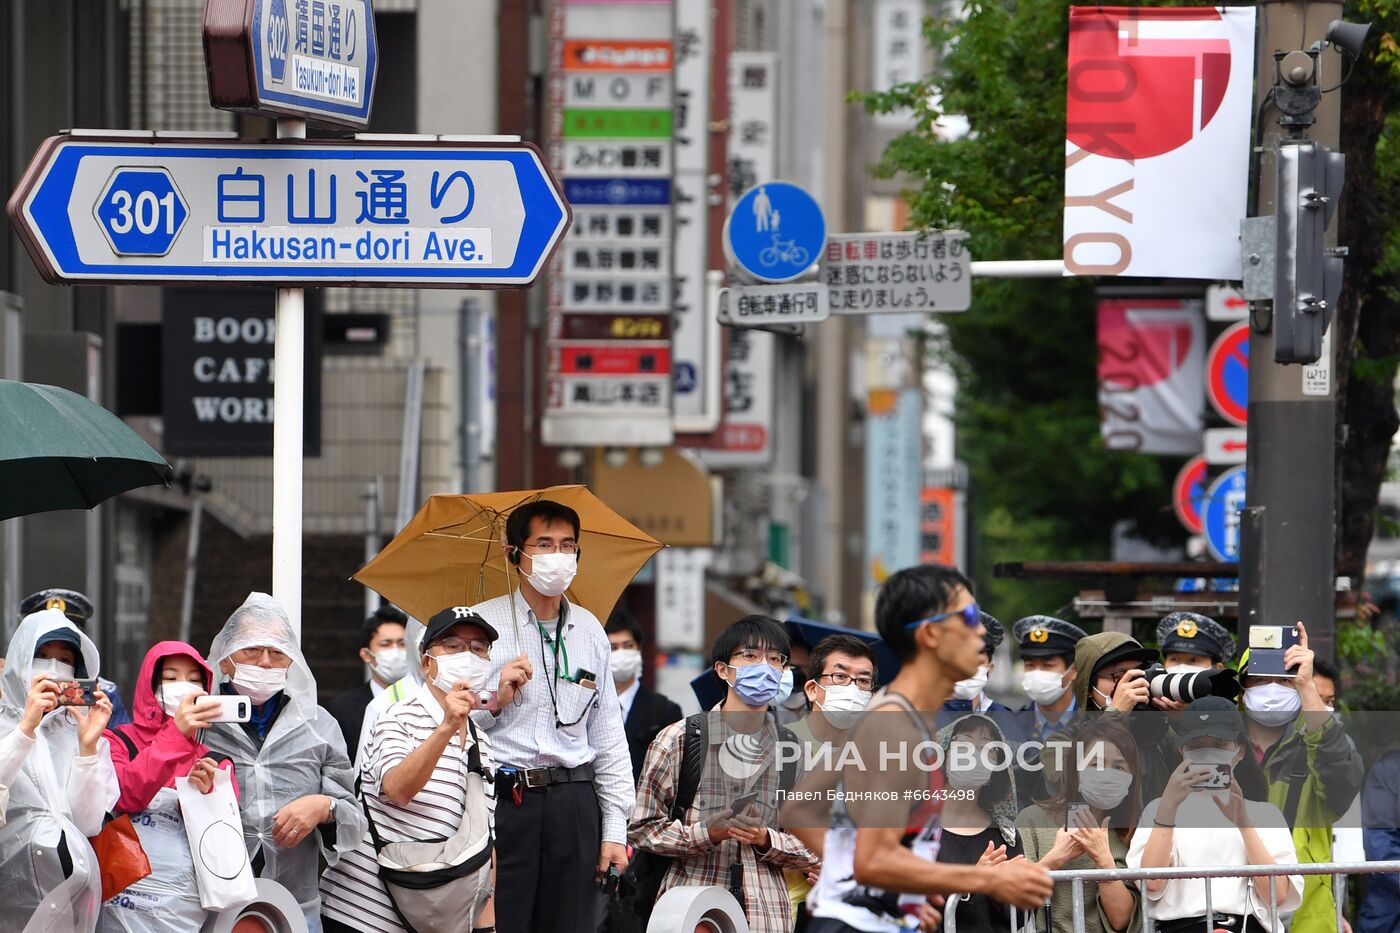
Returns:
(1227,374)
(1188,494)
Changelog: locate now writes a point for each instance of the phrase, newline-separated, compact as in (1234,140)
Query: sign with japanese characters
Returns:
(754,305)
(750,372)
(315,213)
(893,482)
(898,49)
(879,273)
(314,59)
(753,101)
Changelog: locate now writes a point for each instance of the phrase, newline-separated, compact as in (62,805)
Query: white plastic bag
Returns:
(215,831)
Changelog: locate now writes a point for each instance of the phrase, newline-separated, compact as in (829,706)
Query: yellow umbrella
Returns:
(451,553)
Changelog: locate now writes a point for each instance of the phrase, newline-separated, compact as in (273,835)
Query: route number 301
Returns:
(144,211)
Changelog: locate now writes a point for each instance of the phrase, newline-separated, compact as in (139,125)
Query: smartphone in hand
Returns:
(77,692)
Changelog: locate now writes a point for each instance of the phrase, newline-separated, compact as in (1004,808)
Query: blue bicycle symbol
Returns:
(785,251)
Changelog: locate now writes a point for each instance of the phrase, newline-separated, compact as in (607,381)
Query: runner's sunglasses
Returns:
(971,616)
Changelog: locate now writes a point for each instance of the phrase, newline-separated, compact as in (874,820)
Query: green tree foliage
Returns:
(1044,485)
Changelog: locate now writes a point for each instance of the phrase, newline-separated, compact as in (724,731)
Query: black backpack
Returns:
(647,869)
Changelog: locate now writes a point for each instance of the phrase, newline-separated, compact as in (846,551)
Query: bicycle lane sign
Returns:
(775,233)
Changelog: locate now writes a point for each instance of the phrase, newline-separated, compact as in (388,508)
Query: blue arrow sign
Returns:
(1220,519)
(775,232)
(449,214)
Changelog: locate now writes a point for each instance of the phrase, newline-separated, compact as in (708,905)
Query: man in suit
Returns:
(382,648)
(644,712)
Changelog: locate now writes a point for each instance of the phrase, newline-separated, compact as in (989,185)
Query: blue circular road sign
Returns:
(775,232)
(1221,516)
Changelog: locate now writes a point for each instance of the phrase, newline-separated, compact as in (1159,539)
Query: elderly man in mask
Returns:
(295,783)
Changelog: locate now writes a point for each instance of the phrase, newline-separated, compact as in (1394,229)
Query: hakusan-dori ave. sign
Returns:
(158,210)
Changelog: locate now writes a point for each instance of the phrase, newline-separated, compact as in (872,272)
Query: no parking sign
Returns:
(1227,374)
(1189,493)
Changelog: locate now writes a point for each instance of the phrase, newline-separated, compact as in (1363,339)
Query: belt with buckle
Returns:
(543,777)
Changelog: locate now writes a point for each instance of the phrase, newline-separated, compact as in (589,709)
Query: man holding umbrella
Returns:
(565,784)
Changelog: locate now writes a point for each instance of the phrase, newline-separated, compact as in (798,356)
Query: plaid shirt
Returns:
(698,860)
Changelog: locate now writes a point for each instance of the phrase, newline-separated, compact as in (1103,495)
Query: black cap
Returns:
(76,606)
(1216,717)
(65,636)
(1128,651)
(439,624)
(1046,636)
(1193,633)
(995,632)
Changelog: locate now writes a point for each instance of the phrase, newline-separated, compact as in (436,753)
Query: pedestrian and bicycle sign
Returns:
(160,209)
(316,60)
(1220,518)
(775,232)
(1227,374)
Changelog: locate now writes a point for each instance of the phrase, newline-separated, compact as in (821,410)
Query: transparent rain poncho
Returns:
(50,799)
(303,753)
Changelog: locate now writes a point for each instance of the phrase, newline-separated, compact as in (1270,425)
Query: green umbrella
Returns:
(58,450)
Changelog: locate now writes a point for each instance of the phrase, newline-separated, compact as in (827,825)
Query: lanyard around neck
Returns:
(561,672)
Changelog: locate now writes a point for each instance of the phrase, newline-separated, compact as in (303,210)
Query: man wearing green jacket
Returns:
(1313,769)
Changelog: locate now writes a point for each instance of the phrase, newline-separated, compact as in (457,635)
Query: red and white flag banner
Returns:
(1151,374)
(1157,140)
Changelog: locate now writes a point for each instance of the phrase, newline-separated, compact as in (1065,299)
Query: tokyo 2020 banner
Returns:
(1157,140)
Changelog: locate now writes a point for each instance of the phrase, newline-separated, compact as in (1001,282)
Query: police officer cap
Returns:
(76,606)
(1193,633)
(995,631)
(1046,636)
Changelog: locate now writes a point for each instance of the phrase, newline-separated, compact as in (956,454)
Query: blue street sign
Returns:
(451,214)
(775,232)
(620,191)
(311,58)
(1221,516)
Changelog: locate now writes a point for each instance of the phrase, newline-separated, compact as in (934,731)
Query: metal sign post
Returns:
(288,366)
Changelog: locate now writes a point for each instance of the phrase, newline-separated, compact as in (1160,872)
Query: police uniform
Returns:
(1193,633)
(78,609)
(1041,636)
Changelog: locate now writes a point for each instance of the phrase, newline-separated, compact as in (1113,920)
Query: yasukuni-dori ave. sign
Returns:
(451,214)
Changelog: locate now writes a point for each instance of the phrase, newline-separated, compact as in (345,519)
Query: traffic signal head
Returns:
(1308,278)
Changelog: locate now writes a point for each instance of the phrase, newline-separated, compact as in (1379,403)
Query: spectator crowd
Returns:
(505,768)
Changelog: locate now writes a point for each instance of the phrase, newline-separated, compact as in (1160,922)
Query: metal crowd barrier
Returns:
(1338,870)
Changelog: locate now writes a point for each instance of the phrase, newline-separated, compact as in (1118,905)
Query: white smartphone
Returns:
(233,708)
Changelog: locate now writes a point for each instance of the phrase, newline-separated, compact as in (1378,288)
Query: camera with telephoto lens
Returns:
(1184,688)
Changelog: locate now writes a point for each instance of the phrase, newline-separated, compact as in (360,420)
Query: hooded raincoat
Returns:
(50,799)
(167,901)
(303,753)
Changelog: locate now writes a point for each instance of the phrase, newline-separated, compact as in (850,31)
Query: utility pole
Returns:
(1288,526)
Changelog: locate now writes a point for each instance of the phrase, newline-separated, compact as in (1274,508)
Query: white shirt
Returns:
(629,696)
(1203,837)
(525,734)
(375,688)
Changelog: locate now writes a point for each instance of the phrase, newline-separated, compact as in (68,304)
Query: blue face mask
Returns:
(757,684)
(785,686)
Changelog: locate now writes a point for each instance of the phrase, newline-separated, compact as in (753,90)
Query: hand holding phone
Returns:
(77,692)
(236,708)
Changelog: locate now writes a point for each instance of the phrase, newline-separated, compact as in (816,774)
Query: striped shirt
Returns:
(351,891)
(526,735)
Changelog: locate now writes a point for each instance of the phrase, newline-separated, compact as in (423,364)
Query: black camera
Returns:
(1184,688)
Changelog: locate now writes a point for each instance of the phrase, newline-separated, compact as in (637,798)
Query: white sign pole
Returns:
(287,437)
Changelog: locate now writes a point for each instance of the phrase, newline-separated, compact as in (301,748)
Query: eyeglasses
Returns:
(971,616)
(551,547)
(251,655)
(454,645)
(842,679)
(753,656)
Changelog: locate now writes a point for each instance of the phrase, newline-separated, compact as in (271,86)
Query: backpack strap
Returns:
(695,745)
(787,771)
(1297,777)
(131,750)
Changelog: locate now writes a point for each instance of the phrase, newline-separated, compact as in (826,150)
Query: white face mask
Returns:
(1210,756)
(54,670)
(464,666)
(626,664)
(258,684)
(1272,704)
(173,693)
(1104,788)
(1043,687)
(552,574)
(842,704)
(390,664)
(972,687)
(1186,668)
(973,778)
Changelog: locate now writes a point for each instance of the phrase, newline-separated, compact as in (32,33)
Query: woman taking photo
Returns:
(1214,811)
(160,744)
(56,780)
(1089,825)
